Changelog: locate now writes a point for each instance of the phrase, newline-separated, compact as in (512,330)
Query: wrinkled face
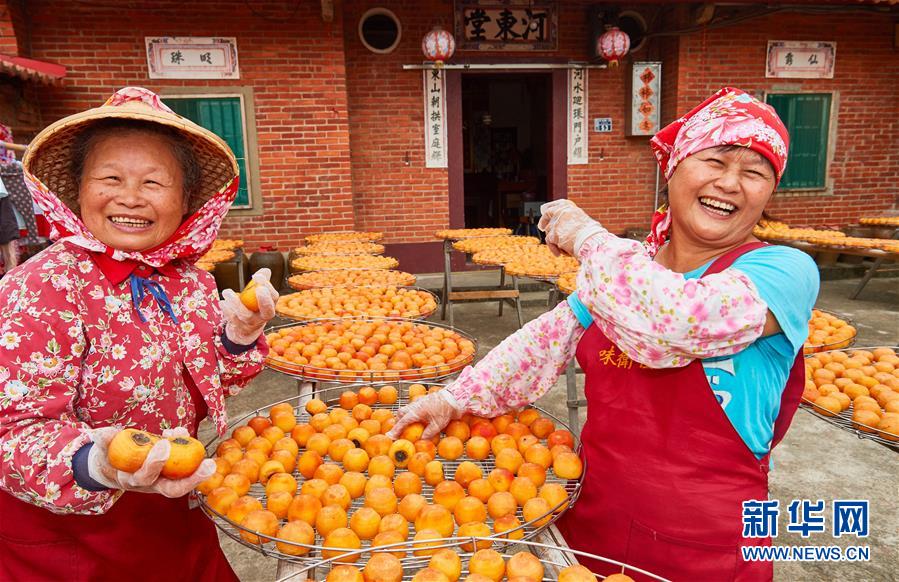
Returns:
(717,195)
(131,191)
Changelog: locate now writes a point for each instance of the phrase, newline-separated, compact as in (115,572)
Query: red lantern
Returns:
(438,46)
(613,45)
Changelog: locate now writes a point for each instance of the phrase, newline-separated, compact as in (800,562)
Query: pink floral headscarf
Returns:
(193,238)
(729,117)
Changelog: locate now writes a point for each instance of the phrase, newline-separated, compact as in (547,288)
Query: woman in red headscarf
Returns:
(691,346)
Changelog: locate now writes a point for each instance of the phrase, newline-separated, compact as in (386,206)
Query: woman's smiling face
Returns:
(717,195)
(131,190)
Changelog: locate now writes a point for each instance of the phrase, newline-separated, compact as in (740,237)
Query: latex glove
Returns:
(242,326)
(566,226)
(146,479)
(434,411)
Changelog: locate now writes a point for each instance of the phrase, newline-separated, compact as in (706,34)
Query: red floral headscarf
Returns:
(729,117)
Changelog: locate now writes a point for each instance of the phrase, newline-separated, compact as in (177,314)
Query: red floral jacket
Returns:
(76,354)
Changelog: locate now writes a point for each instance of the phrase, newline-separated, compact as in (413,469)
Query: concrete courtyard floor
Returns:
(815,461)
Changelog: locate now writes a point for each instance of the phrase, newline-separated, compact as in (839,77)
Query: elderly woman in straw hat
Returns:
(111,327)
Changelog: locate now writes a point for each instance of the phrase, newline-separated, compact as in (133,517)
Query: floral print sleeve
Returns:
(522,367)
(236,370)
(40,364)
(660,318)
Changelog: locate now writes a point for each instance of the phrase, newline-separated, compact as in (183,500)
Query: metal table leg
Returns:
(502,285)
(571,388)
(870,273)
(446,275)
(448,281)
(517,301)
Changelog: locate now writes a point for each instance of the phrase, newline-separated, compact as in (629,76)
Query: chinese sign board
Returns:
(602,125)
(800,60)
(645,98)
(577,116)
(435,118)
(171,57)
(515,25)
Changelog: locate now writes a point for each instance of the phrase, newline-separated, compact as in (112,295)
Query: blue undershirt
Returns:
(749,384)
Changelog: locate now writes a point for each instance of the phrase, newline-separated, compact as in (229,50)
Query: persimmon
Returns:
(435,517)
(387,395)
(560,437)
(525,565)
(477,529)
(448,562)
(337,542)
(319,443)
(316,487)
(388,537)
(448,494)
(489,563)
(308,463)
(469,509)
(344,573)
(315,406)
(383,568)
(508,527)
(247,467)
(396,523)
(263,523)
(534,472)
(243,435)
(382,465)
(129,448)
(270,468)
(212,483)
(501,503)
(220,499)
(424,540)
(502,441)
(426,447)
(337,494)
(381,499)
(184,458)
(354,483)
(429,574)
(259,424)
(329,472)
(304,507)
(509,458)
(568,466)
(356,460)
(376,481)
(238,482)
(536,509)
(241,507)
(301,433)
(348,399)
(501,479)
(406,483)
(248,296)
(411,505)
(522,489)
(278,503)
(377,444)
(295,533)
(555,495)
(329,518)
(433,473)
(578,573)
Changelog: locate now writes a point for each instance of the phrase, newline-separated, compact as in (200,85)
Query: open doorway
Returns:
(506,154)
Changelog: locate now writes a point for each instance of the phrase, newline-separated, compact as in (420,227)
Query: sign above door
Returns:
(506,26)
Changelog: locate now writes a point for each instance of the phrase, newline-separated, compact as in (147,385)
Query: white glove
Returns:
(566,226)
(146,479)
(435,411)
(243,326)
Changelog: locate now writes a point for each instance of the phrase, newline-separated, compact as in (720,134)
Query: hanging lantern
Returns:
(613,45)
(438,46)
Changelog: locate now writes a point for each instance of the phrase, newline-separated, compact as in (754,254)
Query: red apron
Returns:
(667,472)
(142,537)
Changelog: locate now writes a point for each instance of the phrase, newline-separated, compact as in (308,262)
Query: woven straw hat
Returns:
(49,156)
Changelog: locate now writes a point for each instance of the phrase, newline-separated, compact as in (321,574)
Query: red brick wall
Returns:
(335,121)
(291,58)
(8,42)
(864,169)
(406,202)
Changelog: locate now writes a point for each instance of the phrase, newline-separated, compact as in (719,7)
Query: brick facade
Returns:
(340,128)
